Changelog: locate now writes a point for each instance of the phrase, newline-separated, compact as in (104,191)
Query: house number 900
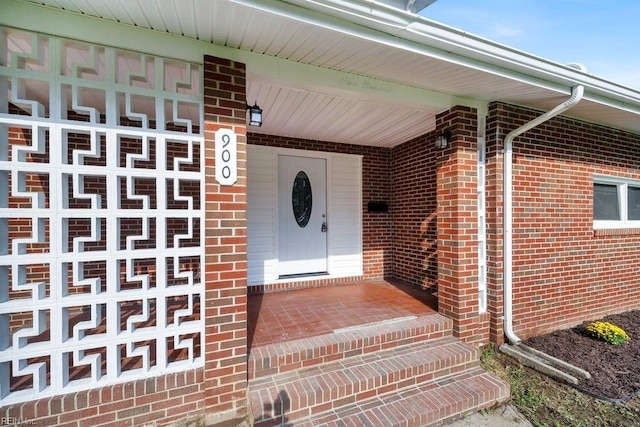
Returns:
(226,157)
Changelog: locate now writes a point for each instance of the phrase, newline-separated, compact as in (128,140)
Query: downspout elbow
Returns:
(577,93)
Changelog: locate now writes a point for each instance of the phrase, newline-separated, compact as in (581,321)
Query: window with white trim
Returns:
(616,203)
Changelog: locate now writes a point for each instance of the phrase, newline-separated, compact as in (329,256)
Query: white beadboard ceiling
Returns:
(311,111)
(306,114)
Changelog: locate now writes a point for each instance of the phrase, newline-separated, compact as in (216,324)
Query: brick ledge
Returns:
(616,232)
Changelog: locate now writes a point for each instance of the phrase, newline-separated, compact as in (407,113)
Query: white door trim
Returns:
(270,275)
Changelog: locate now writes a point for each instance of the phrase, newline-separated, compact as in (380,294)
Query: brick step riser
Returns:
(271,360)
(420,406)
(303,401)
(293,415)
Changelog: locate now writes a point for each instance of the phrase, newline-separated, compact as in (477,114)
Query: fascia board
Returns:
(496,54)
(391,33)
(403,30)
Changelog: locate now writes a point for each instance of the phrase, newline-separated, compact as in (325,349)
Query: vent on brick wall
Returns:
(377,207)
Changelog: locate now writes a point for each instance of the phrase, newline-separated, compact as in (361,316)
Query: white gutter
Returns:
(576,95)
(412,32)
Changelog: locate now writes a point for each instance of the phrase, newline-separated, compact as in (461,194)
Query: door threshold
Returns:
(297,276)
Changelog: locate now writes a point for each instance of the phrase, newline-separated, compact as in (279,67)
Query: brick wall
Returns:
(458,227)
(563,271)
(165,400)
(435,220)
(226,246)
(414,208)
(376,186)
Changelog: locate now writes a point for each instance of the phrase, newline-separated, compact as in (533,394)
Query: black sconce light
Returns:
(255,115)
(442,140)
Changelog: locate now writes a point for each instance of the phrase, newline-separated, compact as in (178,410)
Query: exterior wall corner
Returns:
(457,230)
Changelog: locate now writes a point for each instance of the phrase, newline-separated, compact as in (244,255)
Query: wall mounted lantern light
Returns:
(442,140)
(255,115)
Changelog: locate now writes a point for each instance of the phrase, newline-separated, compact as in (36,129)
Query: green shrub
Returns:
(607,332)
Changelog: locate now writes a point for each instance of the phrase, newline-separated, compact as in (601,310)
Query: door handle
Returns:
(324,227)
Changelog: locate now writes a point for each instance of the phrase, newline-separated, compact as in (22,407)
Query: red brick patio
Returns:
(285,316)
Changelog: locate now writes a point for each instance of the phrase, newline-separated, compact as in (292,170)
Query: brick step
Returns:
(277,358)
(330,386)
(433,403)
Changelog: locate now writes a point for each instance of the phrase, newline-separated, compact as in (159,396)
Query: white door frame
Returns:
(262,264)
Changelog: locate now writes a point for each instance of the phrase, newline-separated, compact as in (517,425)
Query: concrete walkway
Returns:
(502,416)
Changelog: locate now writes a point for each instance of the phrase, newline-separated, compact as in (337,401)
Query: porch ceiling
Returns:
(394,51)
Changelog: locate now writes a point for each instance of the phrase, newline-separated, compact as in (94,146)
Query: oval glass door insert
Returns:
(301,199)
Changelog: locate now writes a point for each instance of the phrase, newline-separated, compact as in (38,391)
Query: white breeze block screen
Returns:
(101,216)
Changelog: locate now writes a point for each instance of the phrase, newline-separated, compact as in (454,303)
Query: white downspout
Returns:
(576,95)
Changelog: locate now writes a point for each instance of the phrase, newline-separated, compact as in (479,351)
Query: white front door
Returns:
(302,215)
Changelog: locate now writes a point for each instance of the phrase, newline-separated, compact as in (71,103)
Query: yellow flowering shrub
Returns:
(607,332)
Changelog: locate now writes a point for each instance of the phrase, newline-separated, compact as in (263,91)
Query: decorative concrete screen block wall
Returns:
(101,220)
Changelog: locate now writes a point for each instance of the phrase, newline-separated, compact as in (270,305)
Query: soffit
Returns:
(246,28)
(305,114)
(310,112)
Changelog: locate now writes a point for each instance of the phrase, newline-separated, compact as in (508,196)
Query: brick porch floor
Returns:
(285,316)
(369,353)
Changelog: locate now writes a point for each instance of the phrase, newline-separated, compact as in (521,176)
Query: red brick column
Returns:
(496,132)
(226,246)
(458,226)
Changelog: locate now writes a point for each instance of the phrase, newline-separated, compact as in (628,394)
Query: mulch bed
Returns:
(615,370)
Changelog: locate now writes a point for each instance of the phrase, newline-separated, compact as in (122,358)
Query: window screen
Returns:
(633,203)
(606,205)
